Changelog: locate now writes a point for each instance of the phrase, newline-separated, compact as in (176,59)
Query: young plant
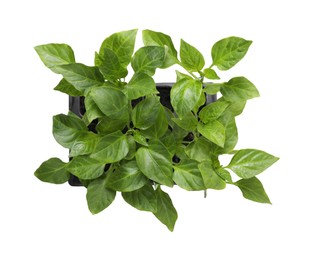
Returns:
(138,145)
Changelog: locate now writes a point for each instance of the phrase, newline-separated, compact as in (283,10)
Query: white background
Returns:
(43,221)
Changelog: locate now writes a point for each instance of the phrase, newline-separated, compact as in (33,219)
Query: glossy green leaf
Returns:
(214,131)
(99,197)
(159,126)
(110,66)
(155,166)
(84,144)
(247,163)
(146,112)
(108,125)
(213,111)
(236,107)
(191,58)
(127,177)
(201,102)
(229,51)
(166,211)
(180,152)
(181,76)
(210,177)
(144,198)
(92,109)
(54,54)
(122,44)
(111,148)
(210,74)
(187,122)
(139,138)
(86,168)
(82,77)
(252,189)
(147,59)
(160,39)
(212,88)
(66,129)
(140,85)
(159,146)
(53,171)
(132,148)
(67,88)
(187,175)
(184,95)
(111,101)
(169,142)
(224,174)
(231,133)
(200,150)
(239,89)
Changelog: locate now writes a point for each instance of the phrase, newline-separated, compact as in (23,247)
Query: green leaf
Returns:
(229,51)
(181,76)
(213,111)
(127,177)
(67,88)
(224,174)
(54,54)
(111,148)
(161,39)
(122,44)
(92,110)
(147,59)
(84,144)
(231,133)
(111,101)
(66,129)
(155,165)
(191,58)
(110,65)
(160,147)
(252,189)
(212,88)
(132,148)
(184,95)
(247,163)
(210,177)
(239,89)
(145,112)
(188,176)
(187,122)
(214,131)
(210,74)
(81,76)
(53,171)
(140,85)
(200,150)
(85,167)
(236,107)
(144,198)
(159,126)
(99,197)
(108,125)
(200,102)
(139,138)
(169,142)
(166,211)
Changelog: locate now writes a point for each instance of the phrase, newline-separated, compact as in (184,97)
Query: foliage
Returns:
(139,145)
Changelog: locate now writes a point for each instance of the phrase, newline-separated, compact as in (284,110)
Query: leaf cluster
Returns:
(138,144)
